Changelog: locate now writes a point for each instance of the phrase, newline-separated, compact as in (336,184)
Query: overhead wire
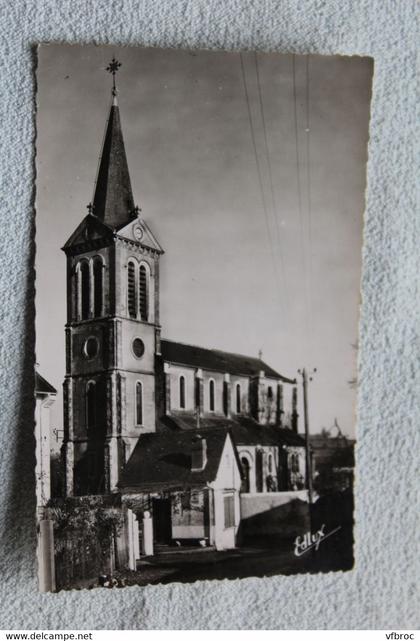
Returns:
(259,174)
(308,154)
(300,198)
(309,190)
(271,182)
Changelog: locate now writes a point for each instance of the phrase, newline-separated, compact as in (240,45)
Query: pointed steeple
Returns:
(113,201)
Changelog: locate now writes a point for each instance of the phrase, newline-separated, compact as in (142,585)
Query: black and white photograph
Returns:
(199,228)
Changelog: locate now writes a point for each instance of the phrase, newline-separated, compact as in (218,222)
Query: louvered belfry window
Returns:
(97,287)
(85,290)
(144,294)
(131,282)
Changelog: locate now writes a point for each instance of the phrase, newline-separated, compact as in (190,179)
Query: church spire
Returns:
(113,201)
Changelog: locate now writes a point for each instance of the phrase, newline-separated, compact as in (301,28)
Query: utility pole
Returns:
(304,376)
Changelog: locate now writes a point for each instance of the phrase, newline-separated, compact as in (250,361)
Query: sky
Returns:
(250,170)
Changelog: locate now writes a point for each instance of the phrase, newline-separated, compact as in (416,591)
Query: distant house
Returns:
(333,460)
(45,395)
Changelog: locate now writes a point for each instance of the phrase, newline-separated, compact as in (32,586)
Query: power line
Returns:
(299,190)
(308,187)
(308,155)
(259,173)
(270,173)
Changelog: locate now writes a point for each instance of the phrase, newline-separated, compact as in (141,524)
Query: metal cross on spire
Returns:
(113,67)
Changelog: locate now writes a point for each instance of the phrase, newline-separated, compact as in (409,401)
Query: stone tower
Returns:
(112,330)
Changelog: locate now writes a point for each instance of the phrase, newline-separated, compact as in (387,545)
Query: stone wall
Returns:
(275,516)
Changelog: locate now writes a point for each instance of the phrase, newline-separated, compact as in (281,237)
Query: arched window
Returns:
(182,392)
(144,293)
(238,398)
(294,463)
(139,403)
(211,395)
(245,475)
(131,290)
(259,481)
(97,287)
(85,290)
(270,393)
(91,406)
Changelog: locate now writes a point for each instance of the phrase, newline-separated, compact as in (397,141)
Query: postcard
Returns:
(199,220)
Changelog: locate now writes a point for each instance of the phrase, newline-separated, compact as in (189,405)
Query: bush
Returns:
(85,529)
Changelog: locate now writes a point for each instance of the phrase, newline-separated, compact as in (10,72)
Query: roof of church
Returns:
(163,460)
(42,386)
(216,360)
(113,201)
(244,429)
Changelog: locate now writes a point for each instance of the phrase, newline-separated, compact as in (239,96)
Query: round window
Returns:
(138,347)
(91,347)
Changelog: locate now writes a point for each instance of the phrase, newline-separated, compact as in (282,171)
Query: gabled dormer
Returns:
(91,233)
(137,231)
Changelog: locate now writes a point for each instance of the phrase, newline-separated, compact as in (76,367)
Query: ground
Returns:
(189,565)
(265,557)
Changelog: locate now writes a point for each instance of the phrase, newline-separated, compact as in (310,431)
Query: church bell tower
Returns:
(112,330)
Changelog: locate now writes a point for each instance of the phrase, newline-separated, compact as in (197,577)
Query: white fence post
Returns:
(147,534)
(46,561)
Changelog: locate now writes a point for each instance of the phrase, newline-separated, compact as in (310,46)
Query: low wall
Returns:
(277,515)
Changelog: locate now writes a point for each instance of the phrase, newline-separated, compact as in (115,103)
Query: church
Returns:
(188,436)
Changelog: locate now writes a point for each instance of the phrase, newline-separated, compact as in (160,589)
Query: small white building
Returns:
(45,395)
(190,483)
